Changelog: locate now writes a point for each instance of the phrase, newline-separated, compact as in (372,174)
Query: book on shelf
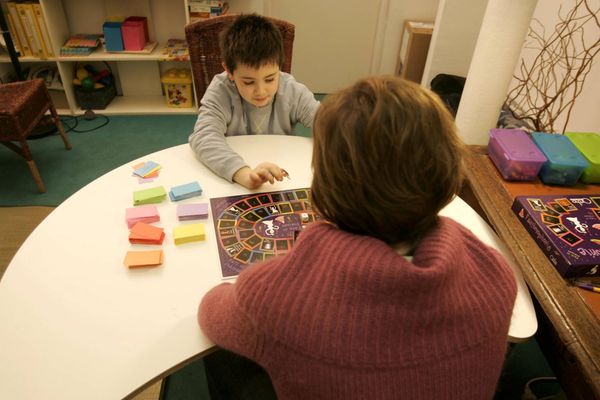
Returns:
(27,18)
(203,9)
(28,28)
(19,30)
(175,50)
(13,35)
(81,44)
(42,29)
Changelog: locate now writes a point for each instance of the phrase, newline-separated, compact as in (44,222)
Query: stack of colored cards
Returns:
(142,233)
(148,196)
(136,259)
(185,191)
(186,212)
(188,233)
(147,170)
(147,214)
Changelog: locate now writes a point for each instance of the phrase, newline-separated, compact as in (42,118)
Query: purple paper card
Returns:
(191,211)
(567,229)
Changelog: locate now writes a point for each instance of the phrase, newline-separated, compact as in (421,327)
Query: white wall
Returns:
(454,36)
(334,40)
(393,23)
(585,116)
(339,42)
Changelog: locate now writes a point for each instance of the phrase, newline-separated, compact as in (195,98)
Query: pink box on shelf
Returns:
(135,32)
(515,155)
(144,21)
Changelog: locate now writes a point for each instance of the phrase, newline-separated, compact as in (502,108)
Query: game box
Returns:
(567,229)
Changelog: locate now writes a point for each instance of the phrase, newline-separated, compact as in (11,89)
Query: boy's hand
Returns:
(263,172)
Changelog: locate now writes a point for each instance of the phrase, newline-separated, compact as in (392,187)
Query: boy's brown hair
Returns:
(252,40)
(386,159)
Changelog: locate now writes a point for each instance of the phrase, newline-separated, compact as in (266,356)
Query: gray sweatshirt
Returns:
(223,112)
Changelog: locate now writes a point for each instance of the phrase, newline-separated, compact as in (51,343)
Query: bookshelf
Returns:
(137,76)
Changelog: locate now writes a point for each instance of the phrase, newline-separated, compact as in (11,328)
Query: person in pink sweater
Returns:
(383,298)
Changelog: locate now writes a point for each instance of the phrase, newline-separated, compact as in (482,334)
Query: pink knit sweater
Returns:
(344,316)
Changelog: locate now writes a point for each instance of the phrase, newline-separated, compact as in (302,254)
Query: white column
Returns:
(497,51)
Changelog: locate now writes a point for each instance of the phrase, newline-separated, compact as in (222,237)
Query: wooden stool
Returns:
(22,106)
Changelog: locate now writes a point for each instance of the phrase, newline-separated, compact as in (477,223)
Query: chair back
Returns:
(205,55)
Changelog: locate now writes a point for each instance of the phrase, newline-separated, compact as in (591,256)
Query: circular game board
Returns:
(253,227)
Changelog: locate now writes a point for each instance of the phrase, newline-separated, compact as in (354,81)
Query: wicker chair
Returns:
(22,107)
(203,42)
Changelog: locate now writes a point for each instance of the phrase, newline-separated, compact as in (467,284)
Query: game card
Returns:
(558,229)
(571,239)
(566,204)
(556,207)
(549,219)
(550,211)
(537,204)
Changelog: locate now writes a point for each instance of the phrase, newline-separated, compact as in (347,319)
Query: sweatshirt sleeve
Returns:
(208,139)
(307,107)
(224,323)
(304,106)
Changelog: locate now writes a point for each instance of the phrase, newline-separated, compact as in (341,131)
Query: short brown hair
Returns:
(386,159)
(252,40)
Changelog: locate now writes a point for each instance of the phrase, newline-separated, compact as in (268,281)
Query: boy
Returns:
(251,97)
(382,299)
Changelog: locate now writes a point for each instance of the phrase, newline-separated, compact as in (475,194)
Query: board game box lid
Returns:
(567,229)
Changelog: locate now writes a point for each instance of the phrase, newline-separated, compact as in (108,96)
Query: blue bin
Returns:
(565,163)
(113,39)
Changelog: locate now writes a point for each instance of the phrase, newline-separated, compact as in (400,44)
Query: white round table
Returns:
(77,323)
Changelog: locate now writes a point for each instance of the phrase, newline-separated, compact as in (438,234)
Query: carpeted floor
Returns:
(94,153)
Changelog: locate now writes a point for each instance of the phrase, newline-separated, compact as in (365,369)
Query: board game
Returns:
(567,229)
(253,227)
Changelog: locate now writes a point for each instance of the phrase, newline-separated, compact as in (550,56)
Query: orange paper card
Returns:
(146,234)
(135,259)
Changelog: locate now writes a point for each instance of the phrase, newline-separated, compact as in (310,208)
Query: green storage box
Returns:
(588,143)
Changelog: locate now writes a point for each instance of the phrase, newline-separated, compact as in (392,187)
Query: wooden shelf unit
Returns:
(137,76)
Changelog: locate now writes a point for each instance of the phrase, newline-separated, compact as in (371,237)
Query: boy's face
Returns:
(256,85)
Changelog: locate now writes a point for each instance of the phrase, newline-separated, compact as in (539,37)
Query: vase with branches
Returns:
(547,86)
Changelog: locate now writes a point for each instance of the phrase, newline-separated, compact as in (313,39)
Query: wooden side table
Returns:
(569,331)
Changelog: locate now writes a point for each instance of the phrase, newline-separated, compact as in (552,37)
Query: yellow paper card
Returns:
(188,233)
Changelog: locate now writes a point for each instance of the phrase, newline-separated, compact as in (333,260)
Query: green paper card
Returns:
(149,196)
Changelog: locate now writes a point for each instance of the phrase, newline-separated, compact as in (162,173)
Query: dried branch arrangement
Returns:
(548,86)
